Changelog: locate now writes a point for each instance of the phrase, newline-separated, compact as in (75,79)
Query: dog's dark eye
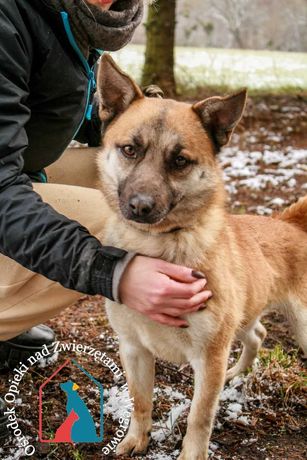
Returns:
(181,161)
(128,151)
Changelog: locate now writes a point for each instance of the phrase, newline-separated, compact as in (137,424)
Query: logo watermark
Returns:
(78,424)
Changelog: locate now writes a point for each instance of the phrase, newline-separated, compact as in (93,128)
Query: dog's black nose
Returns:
(141,205)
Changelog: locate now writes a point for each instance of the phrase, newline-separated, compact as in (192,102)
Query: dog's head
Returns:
(157,163)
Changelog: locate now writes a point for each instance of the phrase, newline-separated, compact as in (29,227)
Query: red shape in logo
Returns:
(63,433)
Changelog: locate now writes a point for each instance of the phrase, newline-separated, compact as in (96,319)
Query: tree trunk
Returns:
(160,42)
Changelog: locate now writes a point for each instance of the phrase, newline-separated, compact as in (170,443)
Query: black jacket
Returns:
(46,87)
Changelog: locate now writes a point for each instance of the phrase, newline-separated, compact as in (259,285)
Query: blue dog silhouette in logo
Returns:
(83,429)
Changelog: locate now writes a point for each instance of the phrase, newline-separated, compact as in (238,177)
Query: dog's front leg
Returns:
(139,365)
(209,374)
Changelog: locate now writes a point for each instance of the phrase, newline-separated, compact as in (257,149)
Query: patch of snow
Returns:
(252,139)
(234,408)
(163,456)
(261,210)
(260,182)
(233,400)
(241,169)
(117,402)
(171,393)
(270,158)
(247,442)
(234,412)
(244,420)
(49,360)
(196,67)
(292,183)
(232,394)
(232,391)
(212,447)
(277,201)
(16,455)
(167,427)
(231,189)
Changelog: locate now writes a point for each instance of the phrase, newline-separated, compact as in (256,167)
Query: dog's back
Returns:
(283,244)
(275,254)
(296,214)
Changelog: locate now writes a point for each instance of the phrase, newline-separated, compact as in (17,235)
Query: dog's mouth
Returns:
(152,219)
(146,212)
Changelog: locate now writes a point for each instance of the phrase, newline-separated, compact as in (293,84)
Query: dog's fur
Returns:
(251,263)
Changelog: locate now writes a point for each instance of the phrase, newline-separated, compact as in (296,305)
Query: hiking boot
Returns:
(16,350)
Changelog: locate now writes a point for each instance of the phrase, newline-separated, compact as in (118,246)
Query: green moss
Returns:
(277,356)
(76,455)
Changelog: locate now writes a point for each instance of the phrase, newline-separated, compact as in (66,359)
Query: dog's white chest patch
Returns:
(164,342)
(170,343)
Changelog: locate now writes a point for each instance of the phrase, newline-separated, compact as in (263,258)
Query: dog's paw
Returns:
(188,456)
(230,374)
(185,455)
(182,456)
(193,451)
(131,446)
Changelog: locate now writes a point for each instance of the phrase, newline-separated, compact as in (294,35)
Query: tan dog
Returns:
(165,198)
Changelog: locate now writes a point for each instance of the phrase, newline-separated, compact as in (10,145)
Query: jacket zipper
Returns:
(90,73)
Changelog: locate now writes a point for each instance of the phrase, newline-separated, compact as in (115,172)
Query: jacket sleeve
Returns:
(31,232)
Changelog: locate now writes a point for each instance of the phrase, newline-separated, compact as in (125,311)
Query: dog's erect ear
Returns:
(220,115)
(116,90)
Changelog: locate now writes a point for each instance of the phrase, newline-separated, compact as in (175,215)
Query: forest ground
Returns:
(262,415)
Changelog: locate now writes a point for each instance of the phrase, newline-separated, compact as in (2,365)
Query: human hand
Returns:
(162,291)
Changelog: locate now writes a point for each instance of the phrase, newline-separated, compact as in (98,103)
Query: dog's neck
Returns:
(174,230)
(191,243)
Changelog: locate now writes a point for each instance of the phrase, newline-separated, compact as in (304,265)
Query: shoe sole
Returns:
(11,354)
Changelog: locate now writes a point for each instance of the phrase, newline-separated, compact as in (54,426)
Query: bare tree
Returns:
(295,24)
(160,42)
(233,13)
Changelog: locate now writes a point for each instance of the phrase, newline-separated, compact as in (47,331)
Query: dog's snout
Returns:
(141,205)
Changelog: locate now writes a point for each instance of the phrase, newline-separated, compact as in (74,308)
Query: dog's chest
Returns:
(169,343)
(186,249)
(173,344)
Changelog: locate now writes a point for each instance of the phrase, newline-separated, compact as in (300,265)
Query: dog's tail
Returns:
(296,214)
